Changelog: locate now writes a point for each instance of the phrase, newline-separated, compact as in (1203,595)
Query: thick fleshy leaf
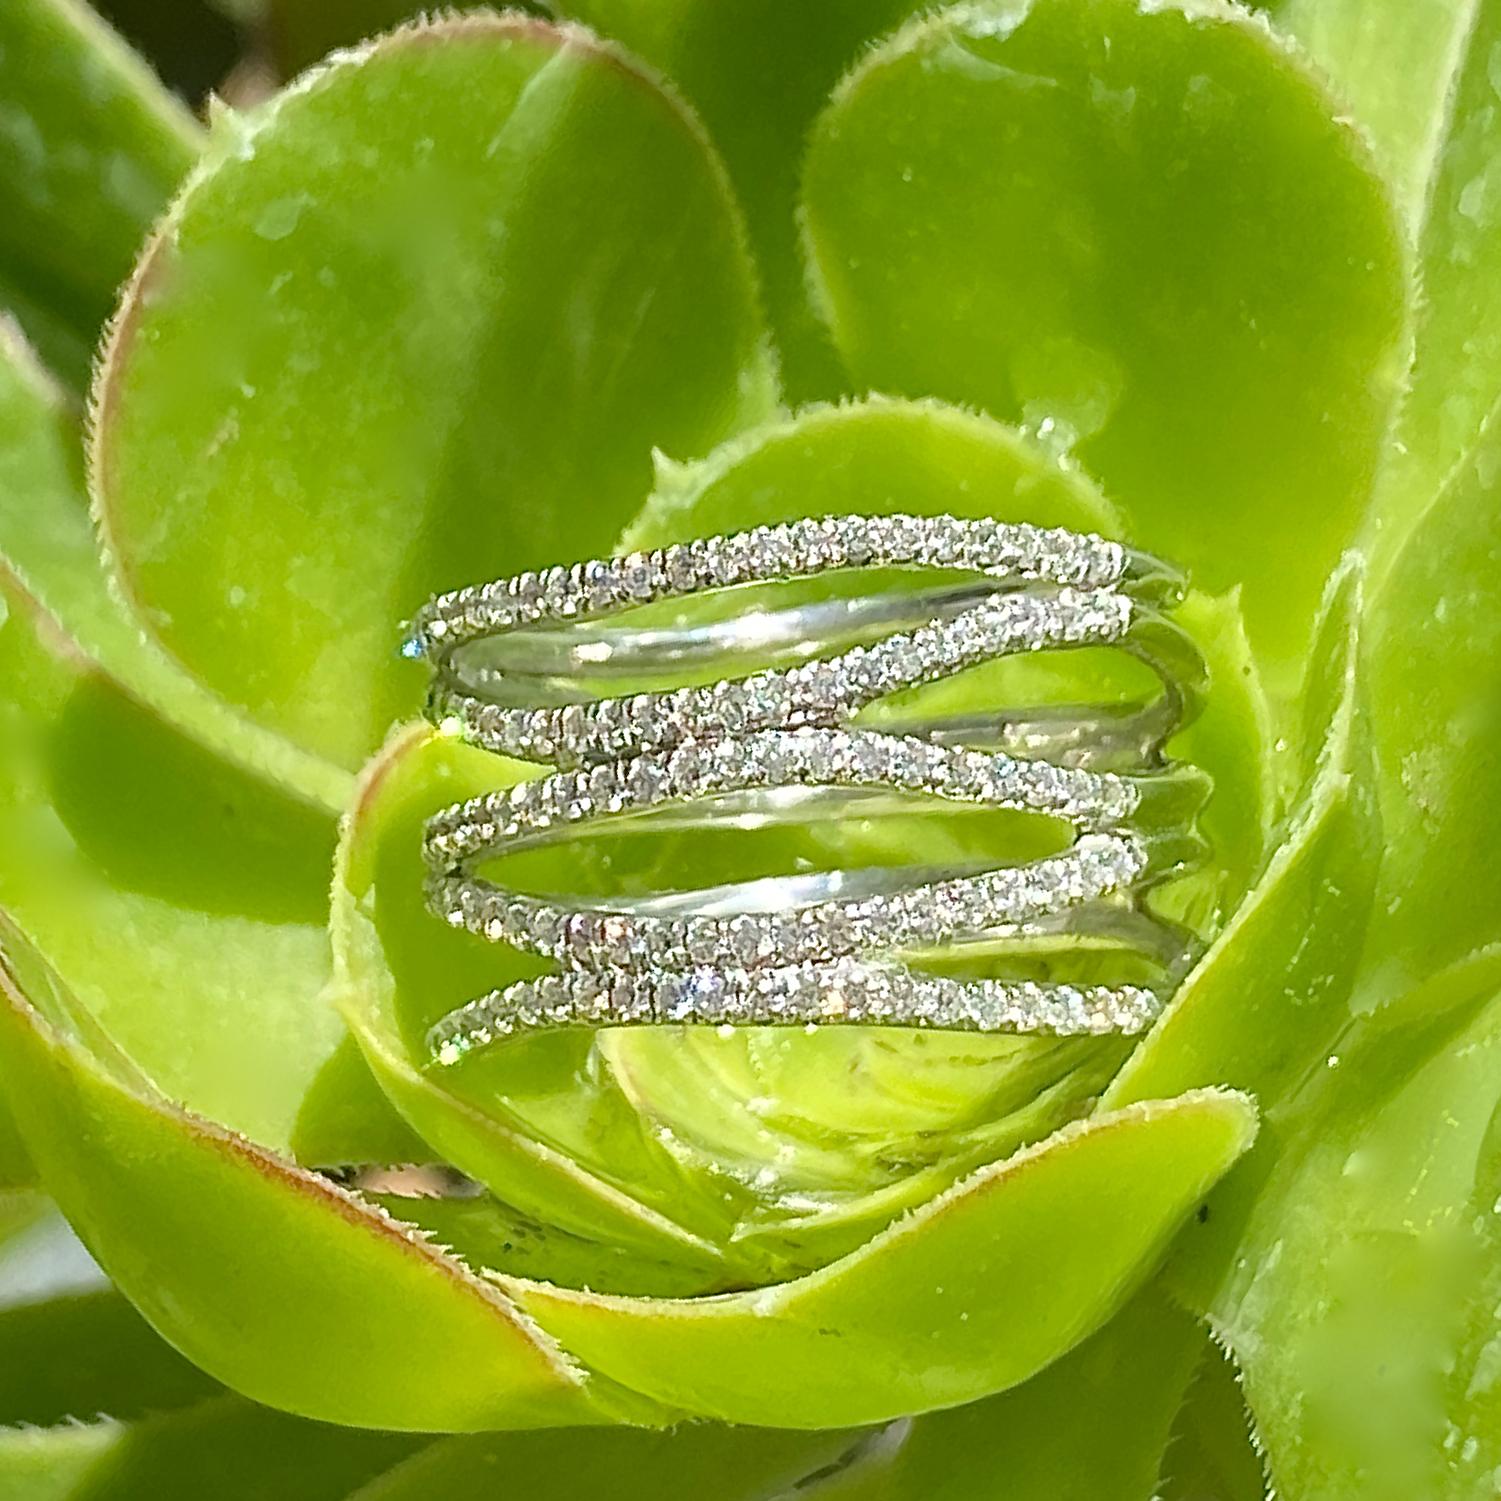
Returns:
(420,319)
(1435,634)
(1092,1427)
(550,1136)
(758,71)
(1421,75)
(908,1098)
(837,1134)
(46,534)
(1072,212)
(1003,1273)
(1396,62)
(1265,1005)
(1273,991)
(91,146)
(870,457)
(184,899)
(1362,1301)
(1456,378)
(690,1463)
(283,1286)
(1212,1453)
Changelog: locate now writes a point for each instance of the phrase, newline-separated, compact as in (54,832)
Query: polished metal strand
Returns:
(836,950)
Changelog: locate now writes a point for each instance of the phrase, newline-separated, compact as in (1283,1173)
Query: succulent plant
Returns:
(497,291)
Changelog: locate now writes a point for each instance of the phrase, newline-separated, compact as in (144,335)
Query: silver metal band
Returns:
(525,667)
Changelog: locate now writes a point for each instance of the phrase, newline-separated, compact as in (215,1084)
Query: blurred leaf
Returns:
(283,1286)
(1074,213)
(1435,639)
(1362,1301)
(47,535)
(225,1449)
(419,320)
(16,1170)
(758,71)
(48,1464)
(691,1463)
(1396,62)
(346,1119)
(185,899)
(90,148)
(1003,1273)
(1092,1427)
(1425,77)
(19,1209)
(300,32)
(77,1357)
(93,1404)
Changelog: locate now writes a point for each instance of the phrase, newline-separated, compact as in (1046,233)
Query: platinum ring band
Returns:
(830,948)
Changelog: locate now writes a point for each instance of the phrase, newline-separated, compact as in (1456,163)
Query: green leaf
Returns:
(650,1139)
(1212,1454)
(1435,632)
(1396,62)
(90,147)
(94,1404)
(871,457)
(1361,1301)
(16,1171)
(1273,990)
(555,1140)
(299,34)
(1423,77)
(227,1449)
(758,71)
(1092,1427)
(1073,213)
(75,1357)
(46,534)
(935,1111)
(417,321)
(50,1465)
(1094,1205)
(279,1284)
(184,898)
(690,1463)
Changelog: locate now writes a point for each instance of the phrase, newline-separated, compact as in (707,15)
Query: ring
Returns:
(541,667)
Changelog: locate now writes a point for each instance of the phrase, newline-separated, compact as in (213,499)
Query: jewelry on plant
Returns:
(525,667)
